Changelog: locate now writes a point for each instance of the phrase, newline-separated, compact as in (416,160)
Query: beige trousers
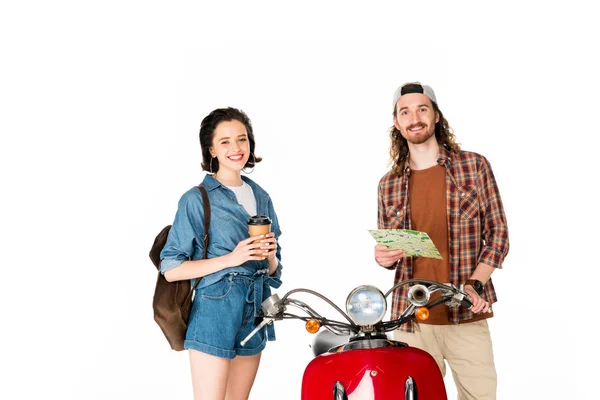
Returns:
(468,350)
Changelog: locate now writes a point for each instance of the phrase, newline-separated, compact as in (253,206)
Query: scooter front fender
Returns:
(377,374)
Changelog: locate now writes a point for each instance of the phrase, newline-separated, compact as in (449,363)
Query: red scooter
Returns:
(367,365)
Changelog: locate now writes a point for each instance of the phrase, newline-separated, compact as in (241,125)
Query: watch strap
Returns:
(477,285)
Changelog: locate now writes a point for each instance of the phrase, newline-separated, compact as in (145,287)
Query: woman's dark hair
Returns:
(399,147)
(207,133)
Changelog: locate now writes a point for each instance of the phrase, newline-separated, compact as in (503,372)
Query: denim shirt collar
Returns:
(261,196)
(210,183)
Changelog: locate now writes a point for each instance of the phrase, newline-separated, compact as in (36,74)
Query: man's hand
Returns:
(479,304)
(387,258)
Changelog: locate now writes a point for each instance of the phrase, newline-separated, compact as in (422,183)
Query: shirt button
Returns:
(397,212)
(462,195)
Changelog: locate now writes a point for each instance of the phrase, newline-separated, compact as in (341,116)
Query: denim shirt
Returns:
(228,226)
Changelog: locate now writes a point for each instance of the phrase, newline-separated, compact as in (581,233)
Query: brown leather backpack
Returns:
(172,301)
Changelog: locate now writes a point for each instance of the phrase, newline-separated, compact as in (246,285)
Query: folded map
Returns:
(413,243)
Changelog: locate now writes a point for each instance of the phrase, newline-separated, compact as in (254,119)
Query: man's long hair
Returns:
(399,147)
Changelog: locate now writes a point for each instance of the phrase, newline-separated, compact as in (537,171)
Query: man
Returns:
(452,195)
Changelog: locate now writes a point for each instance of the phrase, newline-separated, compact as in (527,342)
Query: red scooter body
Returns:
(377,374)
(355,359)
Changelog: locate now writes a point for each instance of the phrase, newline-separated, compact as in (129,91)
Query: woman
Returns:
(238,270)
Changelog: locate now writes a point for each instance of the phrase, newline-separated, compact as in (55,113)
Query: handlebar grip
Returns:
(466,302)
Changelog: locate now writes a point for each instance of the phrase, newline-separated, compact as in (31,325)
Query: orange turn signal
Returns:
(313,326)
(422,313)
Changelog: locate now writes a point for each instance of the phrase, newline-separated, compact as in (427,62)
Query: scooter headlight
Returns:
(366,305)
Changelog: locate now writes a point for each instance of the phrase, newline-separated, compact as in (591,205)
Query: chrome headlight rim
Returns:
(363,320)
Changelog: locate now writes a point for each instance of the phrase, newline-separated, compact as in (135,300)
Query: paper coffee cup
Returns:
(259,225)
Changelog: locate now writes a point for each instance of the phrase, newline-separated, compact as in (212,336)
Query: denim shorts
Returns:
(222,316)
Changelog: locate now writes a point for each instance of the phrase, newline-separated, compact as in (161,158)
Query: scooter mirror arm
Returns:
(304,307)
(326,323)
(335,327)
(284,300)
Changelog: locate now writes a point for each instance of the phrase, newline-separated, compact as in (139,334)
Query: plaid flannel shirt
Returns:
(477,230)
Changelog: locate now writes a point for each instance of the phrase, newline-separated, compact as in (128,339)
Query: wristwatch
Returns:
(477,285)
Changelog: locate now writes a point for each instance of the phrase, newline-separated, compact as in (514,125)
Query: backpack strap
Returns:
(206,204)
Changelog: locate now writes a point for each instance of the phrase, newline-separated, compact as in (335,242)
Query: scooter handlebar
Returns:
(274,308)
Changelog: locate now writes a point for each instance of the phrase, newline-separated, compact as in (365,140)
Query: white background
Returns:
(100,105)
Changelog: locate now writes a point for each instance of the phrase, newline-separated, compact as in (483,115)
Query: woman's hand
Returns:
(246,250)
(269,246)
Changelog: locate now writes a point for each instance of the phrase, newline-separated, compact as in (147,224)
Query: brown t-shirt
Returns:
(427,194)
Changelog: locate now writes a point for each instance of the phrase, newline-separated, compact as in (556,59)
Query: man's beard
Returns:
(419,139)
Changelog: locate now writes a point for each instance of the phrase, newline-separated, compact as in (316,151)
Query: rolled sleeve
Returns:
(187,227)
(166,265)
(491,256)
(277,274)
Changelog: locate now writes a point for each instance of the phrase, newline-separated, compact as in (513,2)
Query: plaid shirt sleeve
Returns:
(494,228)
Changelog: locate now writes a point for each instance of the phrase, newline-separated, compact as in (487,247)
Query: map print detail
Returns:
(414,243)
